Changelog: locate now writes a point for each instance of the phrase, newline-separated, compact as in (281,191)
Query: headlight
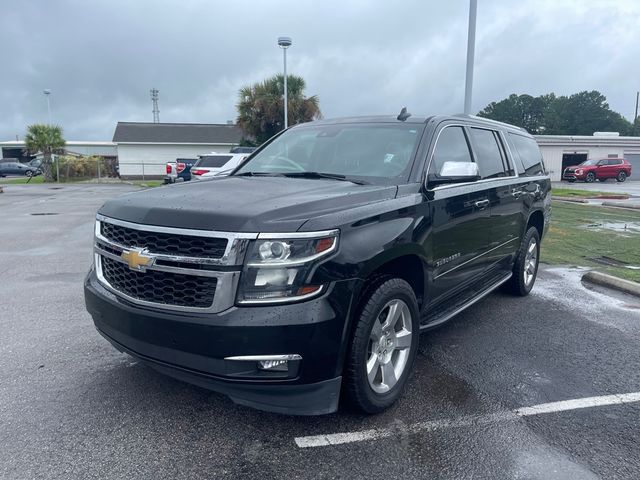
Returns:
(579,171)
(278,269)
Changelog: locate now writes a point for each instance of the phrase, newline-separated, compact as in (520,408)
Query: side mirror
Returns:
(454,172)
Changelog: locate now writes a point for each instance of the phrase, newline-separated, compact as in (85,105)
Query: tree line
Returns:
(582,113)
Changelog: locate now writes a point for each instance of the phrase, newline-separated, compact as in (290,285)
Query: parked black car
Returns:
(17,168)
(310,271)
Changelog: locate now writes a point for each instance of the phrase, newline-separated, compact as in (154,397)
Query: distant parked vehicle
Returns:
(598,169)
(216,164)
(180,170)
(17,168)
(243,150)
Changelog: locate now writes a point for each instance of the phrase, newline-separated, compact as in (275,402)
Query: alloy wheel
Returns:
(389,346)
(530,262)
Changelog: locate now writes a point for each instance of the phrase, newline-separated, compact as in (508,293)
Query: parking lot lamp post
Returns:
(471,46)
(285,42)
(47,93)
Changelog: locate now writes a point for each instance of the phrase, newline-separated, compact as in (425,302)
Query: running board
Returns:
(444,314)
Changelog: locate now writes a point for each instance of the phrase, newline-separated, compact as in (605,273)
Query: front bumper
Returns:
(193,347)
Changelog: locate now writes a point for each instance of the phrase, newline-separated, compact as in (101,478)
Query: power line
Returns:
(154,99)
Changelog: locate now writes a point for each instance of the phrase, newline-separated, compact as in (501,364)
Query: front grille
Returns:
(160,287)
(165,243)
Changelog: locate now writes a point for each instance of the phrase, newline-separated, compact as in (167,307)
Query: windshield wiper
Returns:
(258,174)
(331,176)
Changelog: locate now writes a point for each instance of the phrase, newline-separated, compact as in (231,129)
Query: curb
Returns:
(610,281)
(569,199)
(635,206)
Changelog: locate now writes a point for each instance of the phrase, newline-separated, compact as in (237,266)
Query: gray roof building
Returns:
(177,133)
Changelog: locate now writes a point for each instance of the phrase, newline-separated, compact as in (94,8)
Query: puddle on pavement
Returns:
(621,227)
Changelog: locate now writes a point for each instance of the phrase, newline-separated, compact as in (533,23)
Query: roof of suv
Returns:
(420,119)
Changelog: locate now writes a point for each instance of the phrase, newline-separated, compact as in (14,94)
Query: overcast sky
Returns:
(100,58)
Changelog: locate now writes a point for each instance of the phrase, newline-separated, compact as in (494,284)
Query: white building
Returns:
(145,148)
(560,151)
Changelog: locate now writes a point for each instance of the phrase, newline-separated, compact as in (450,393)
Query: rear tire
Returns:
(525,268)
(622,176)
(383,347)
(28,173)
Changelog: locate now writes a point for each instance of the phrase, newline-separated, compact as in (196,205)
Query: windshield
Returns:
(593,161)
(380,153)
(213,161)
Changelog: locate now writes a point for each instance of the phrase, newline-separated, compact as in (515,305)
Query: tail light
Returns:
(181,167)
(198,171)
(168,169)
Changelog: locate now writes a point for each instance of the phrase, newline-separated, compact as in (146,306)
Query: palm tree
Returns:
(46,139)
(261,106)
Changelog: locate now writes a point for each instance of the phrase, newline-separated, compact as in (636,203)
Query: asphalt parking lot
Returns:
(73,407)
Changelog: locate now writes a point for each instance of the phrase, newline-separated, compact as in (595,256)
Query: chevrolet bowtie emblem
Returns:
(137,259)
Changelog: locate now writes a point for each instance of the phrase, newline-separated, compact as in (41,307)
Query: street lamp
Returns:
(285,42)
(471,46)
(47,92)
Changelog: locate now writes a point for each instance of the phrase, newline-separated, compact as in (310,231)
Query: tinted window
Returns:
(377,152)
(615,162)
(528,155)
(452,146)
(488,153)
(213,161)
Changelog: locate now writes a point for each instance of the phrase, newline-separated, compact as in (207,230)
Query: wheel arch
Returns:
(536,219)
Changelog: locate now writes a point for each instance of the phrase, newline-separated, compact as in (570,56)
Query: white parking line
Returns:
(543,408)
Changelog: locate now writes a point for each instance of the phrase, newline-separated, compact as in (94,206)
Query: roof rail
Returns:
(489,120)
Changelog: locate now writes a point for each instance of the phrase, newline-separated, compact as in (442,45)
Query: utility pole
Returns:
(471,46)
(635,117)
(154,99)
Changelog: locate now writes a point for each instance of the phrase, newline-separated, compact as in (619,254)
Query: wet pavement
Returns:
(73,407)
(631,188)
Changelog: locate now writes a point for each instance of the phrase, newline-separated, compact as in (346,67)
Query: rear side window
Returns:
(452,146)
(615,162)
(213,161)
(528,156)
(489,156)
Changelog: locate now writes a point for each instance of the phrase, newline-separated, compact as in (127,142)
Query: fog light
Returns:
(274,365)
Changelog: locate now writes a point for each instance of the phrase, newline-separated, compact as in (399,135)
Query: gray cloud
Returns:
(360,57)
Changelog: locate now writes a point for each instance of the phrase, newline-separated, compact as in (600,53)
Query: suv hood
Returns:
(243,204)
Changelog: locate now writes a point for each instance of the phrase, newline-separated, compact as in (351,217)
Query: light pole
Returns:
(285,42)
(47,93)
(471,46)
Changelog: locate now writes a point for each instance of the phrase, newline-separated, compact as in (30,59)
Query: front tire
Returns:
(383,347)
(622,176)
(590,178)
(525,268)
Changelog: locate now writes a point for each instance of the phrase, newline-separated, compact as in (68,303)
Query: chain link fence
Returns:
(104,170)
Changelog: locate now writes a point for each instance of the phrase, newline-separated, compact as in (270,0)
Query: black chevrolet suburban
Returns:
(307,275)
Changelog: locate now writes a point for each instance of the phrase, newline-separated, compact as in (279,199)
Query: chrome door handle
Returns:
(482,204)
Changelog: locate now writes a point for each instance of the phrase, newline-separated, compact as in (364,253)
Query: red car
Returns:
(598,169)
